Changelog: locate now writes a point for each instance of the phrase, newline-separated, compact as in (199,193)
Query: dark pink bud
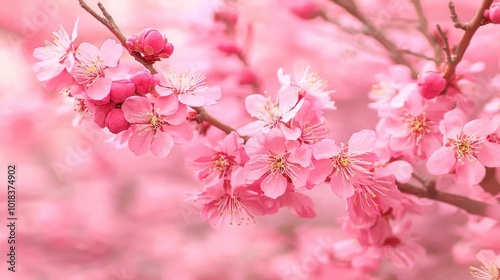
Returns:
(101,112)
(229,48)
(168,49)
(144,82)
(151,41)
(122,89)
(116,122)
(103,101)
(494,14)
(132,44)
(431,84)
(306,10)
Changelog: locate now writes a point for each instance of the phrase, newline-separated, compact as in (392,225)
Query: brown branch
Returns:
(471,206)
(377,34)
(454,17)
(446,44)
(109,22)
(419,55)
(423,28)
(470,30)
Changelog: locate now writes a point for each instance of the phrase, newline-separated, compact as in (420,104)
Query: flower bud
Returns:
(229,48)
(116,122)
(494,13)
(431,84)
(151,41)
(247,77)
(167,51)
(306,10)
(144,82)
(101,112)
(122,89)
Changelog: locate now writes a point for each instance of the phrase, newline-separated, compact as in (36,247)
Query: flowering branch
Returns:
(470,29)
(471,206)
(108,21)
(454,17)
(372,31)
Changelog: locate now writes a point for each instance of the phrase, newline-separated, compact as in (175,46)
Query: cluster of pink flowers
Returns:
(147,111)
(428,127)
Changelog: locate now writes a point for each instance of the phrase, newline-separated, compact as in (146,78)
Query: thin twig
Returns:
(471,206)
(423,28)
(419,55)
(372,31)
(446,44)
(464,42)
(454,17)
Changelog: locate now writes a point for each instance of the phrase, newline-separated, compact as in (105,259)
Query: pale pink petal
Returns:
(362,142)
(181,133)
(274,186)
(74,34)
(285,80)
(166,105)
(288,115)
(88,51)
(441,161)
(480,127)
(178,117)
(100,89)
(472,172)
(191,99)
(255,170)
(287,100)
(301,174)
(301,156)
(110,53)
(291,133)
(342,187)
(276,142)
(43,53)
(325,149)
(300,204)
(135,109)
(320,171)
(140,142)
(253,127)
(489,154)
(48,69)
(453,123)
(254,103)
(211,94)
(162,144)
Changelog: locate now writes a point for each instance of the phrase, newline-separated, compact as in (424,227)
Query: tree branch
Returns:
(109,22)
(471,206)
(372,31)
(470,29)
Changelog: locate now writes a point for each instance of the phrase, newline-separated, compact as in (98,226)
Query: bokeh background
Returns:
(89,209)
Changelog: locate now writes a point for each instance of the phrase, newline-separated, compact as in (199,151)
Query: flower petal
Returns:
(325,149)
(100,89)
(136,108)
(441,161)
(363,141)
(274,186)
(140,142)
(110,53)
(488,154)
(162,144)
(472,172)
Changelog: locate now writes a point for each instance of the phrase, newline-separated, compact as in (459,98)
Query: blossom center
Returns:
(278,164)
(155,121)
(464,146)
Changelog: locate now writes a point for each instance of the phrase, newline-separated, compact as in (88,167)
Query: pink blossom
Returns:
(299,203)
(271,115)
(370,200)
(217,162)
(56,56)
(431,84)
(93,64)
(224,203)
(414,129)
(144,82)
(277,161)
(115,121)
(490,269)
(465,149)
(190,89)
(311,124)
(308,85)
(157,124)
(121,90)
(347,166)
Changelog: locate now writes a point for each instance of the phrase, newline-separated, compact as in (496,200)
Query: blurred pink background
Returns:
(89,210)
